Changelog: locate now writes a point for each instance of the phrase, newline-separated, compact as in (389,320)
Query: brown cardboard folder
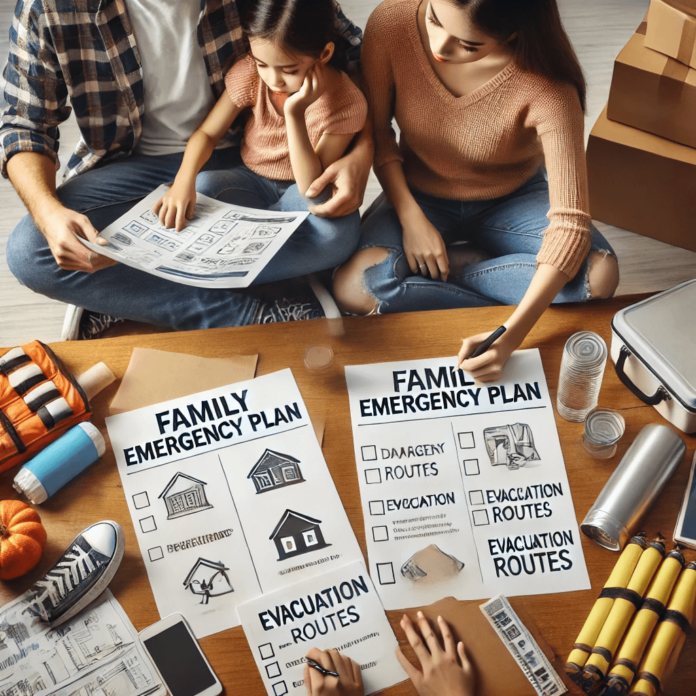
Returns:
(497,673)
(642,183)
(672,29)
(653,92)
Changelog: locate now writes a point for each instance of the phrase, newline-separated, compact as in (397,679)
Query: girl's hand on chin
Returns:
(313,87)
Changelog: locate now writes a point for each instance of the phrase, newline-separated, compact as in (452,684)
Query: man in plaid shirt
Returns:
(136,103)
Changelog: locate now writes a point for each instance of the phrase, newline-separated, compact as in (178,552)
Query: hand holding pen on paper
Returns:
(328,673)
(446,670)
(483,360)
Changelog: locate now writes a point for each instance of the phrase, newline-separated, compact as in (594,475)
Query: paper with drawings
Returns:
(340,610)
(230,497)
(96,652)
(224,246)
(463,486)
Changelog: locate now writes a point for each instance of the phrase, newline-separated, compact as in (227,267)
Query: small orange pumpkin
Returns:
(22,538)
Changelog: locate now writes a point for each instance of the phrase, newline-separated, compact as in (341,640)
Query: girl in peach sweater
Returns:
(489,99)
(303,113)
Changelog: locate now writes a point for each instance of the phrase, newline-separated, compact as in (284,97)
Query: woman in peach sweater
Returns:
(489,99)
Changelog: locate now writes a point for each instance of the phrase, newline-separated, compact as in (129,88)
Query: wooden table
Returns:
(98,495)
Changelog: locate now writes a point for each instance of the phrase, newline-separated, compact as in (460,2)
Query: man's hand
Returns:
(443,674)
(61,227)
(348,177)
(424,247)
(177,206)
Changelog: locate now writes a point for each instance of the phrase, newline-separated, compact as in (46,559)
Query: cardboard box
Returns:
(653,92)
(642,183)
(672,29)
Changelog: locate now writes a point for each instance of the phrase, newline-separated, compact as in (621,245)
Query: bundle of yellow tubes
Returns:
(619,578)
(642,581)
(668,639)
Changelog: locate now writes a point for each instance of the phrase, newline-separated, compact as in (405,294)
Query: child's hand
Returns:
(349,682)
(313,87)
(424,247)
(177,206)
(442,674)
(489,366)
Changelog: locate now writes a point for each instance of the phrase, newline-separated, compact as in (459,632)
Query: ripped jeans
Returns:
(510,229)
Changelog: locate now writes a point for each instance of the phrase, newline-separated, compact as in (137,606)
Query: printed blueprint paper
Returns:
(96,652)
(463,486)
(337,610)
(230,497)
(224,246)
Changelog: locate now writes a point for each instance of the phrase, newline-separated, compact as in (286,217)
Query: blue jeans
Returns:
(108,191)
(510,229)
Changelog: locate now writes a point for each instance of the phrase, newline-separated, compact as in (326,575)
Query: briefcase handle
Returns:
(660,395)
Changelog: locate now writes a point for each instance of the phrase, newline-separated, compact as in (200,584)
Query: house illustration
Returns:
(275,470)
(184,495)
(296,534)
(208,579)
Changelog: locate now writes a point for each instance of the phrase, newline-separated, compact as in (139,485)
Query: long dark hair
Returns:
(541,44)
(303,27)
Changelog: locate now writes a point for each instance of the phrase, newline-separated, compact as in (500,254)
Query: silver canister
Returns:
(633,487)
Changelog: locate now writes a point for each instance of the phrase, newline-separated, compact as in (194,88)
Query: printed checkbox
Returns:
(369,453)
(380,533)
(156,553)
(266,651)
(141,500)
(273,670)
(476,497)
(373,476)
(279,689)
(148,524)
(385,574)
(377,507)
(471,467)
(466,440)
(480,518)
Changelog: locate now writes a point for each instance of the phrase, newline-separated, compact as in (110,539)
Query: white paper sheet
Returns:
(225,520)
(337,610)
(96,652)
(224,246)
(464,488)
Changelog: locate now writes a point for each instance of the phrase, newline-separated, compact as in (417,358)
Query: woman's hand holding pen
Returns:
(320,671)
(487,366)
(446,670)
(423,245)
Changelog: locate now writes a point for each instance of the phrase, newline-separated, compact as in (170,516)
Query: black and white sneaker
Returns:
(290,310)
(82,573)
(83,324)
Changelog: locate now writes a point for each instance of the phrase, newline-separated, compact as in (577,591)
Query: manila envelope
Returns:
(154,376)
(497,673)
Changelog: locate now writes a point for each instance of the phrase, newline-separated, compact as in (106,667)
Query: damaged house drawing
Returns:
(184,495)
(275,470)
(208,579)
(296,534)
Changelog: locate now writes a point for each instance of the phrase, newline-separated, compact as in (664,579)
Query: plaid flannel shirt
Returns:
(85,50)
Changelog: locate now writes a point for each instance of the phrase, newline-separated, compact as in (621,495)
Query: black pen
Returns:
(483,347)
(319,668)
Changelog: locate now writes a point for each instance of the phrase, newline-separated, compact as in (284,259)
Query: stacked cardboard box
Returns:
(641,155)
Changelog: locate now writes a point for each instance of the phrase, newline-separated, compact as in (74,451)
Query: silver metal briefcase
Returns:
(653,347)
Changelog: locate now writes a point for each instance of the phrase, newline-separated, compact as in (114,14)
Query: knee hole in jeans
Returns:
(603,274)
(349,287)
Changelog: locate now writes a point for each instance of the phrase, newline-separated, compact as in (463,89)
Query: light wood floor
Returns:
(598,29)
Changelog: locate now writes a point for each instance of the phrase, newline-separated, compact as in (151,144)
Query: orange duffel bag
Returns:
(39,401)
